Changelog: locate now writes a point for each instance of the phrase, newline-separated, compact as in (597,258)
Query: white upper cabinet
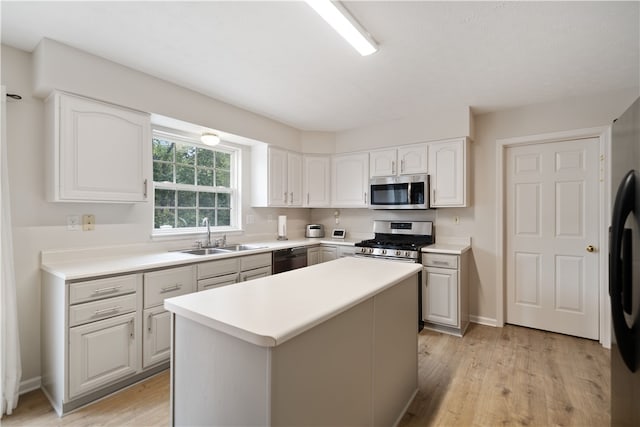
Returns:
(448,172)
(405,160)
(97,152)
(350,180)
(276,177)
(316,181)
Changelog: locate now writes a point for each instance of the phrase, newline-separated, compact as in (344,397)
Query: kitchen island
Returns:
(330,344)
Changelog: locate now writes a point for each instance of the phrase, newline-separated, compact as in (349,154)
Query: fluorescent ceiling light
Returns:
(345,24)
(210,138)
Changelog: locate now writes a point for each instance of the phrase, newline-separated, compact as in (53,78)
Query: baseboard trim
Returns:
(483,320)
(29,385)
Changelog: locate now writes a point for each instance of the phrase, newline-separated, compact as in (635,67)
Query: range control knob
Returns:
(370,250)
(407,253)
(398,253)
(384,252)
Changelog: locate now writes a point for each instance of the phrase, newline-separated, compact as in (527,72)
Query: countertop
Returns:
(72,268)
(271,310)
(447,248)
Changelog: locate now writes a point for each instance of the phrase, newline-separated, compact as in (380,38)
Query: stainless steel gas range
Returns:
(399,241)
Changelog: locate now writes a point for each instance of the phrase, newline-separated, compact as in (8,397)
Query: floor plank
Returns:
(491,377)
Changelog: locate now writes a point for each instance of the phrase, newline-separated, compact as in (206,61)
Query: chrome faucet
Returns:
(205,221)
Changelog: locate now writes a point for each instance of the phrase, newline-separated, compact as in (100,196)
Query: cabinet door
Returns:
(412,159)
(104,152)
(350,180)
(313,256)
(100,353)
(440,296)
(278,195)
(328,253)
(344,251)
(255,274)
(447,164)
(383,163)
(317,181)
(156,346)
(294,179)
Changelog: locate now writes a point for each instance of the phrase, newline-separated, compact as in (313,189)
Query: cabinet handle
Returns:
(393,168)
(440,262)
(107,290)
(109,310)
(144,187)
(291,200)
(365,197)
(131,328)
(285,198)
(149,322)
(401,166)
(307,198)
(171,288)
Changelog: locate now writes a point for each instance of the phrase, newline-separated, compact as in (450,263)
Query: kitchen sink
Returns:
(207,251)
(236,248)
(222,249)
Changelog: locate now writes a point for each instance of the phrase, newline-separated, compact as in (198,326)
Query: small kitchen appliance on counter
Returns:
(314,230)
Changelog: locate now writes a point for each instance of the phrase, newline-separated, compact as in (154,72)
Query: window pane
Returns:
(186,218)
(162,172)
(186,199)
(207,200)
(205,157)
(165,197)
(207,213)
(224,217)
(205,177)
(223,160)
(164,218)
(185,174)
(224,200)
(223,178)
(163,150)
(186,154)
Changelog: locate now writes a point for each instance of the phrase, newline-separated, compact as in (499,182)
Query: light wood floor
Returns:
(493,376)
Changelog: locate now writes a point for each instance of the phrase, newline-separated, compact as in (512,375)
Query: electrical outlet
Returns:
(73,222)
(88,222)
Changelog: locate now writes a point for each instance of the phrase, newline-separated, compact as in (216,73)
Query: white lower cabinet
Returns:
(313,256)
(256,273)
(159,285)
(328,253)
(156,330)
(445,292)
(101,352)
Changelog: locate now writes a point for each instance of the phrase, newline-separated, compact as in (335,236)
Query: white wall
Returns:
(39,225)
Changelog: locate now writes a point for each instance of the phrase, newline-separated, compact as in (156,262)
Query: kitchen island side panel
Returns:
(217,379)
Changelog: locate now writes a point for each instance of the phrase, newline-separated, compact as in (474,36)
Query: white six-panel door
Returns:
(552,207)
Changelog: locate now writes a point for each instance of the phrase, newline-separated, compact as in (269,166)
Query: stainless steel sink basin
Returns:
(206,251)
(236,248)
(222,250)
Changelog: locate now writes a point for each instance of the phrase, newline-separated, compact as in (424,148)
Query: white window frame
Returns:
(234,189)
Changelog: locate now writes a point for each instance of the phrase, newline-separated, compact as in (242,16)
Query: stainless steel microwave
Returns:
(399,192)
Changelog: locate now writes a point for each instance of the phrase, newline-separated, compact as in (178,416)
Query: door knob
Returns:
(591,248)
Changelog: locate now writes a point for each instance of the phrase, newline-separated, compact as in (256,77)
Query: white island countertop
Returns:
(271,310)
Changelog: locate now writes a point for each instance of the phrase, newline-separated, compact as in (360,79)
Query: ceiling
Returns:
(281,60)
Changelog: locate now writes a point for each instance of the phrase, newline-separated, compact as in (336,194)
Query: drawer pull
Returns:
(108,290)
(109,310)
(171,288)
(440,262)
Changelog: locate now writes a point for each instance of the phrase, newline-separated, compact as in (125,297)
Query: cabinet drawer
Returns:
(102,288)
(440,260)
(216,282)
(255,261)
(159,285)
(96,310)
(255,274)
(218,268)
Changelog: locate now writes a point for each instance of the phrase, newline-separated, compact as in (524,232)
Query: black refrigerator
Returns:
(624,268)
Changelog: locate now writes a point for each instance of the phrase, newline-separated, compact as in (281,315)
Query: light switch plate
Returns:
(88,222)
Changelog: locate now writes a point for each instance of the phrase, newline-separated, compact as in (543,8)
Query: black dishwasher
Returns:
(289,259)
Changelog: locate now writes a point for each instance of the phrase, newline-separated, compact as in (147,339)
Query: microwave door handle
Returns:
(409,195)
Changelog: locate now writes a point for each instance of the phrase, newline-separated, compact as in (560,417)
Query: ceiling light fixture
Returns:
(209,138)
(346,25)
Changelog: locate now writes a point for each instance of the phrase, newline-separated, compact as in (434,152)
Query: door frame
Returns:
(603,133)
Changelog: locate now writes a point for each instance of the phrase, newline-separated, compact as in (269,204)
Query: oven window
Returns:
(389,194)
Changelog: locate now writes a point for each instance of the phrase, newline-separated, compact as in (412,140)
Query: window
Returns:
(192,182)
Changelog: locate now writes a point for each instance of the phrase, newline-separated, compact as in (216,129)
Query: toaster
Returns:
(314,230)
